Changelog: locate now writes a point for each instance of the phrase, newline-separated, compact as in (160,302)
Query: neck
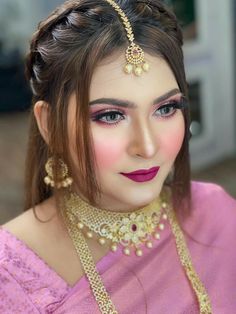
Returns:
(115,204)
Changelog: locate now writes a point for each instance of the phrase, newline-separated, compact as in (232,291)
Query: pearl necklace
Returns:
(130,230)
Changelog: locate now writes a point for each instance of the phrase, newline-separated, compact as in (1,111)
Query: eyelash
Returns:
(172,104)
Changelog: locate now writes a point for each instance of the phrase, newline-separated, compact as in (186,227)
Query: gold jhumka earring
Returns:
(64,180)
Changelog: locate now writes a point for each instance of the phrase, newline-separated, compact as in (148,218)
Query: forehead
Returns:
(109,80)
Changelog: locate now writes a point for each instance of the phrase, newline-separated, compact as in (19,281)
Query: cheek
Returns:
(108,152)
(173,139)
(173,145)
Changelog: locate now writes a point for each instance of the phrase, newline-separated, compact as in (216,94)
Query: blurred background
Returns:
(209,32)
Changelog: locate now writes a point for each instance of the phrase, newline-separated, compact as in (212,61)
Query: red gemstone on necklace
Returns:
(134,227)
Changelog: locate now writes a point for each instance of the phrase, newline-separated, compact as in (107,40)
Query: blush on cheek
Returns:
(173,143)
(108,152)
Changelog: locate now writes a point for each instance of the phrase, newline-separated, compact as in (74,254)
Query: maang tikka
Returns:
(134,53)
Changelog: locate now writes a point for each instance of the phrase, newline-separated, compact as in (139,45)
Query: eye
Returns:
(166,110)
(108,117)
(169,109)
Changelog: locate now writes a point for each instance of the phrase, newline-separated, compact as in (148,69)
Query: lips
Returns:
(142,175)
(142,171)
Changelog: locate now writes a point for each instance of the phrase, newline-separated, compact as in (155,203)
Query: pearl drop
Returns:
(101,241)
(161,226)
(146,66)
(80,225)
(114,247)
(149,244)
(139,252)
(157,236)
(89,234)
(126,251)
(138,71)
(128,68)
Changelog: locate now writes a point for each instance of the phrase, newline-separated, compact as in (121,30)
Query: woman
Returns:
(112,222)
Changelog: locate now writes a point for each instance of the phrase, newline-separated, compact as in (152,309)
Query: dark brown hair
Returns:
(64,52)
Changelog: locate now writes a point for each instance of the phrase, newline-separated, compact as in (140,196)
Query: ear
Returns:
(41,113)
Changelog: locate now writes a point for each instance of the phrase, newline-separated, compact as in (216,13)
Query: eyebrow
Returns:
(130,104)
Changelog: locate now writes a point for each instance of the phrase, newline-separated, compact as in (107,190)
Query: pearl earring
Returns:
(64,179)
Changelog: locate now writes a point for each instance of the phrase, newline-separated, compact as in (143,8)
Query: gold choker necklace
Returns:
(130,230)
(78,215)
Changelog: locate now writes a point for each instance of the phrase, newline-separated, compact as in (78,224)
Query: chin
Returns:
(143,197)
(131,196)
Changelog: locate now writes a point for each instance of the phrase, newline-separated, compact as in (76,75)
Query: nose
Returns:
(143,140)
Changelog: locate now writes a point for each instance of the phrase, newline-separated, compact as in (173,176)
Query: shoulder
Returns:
(16,235)
(14,298)
(17,225)
(213,212)
(8,261)
(12,248)
(209,194)
(21,268)
(30,230)
(24,235)
(9,247)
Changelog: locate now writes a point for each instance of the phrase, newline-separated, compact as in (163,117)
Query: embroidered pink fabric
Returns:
(153,283)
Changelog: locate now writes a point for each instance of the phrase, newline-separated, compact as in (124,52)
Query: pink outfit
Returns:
(154,283)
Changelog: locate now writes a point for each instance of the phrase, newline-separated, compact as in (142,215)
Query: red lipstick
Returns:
(142,175)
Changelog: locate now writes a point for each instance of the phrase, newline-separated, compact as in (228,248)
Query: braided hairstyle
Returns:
(64,52)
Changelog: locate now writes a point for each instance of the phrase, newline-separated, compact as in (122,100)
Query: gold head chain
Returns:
(134,53)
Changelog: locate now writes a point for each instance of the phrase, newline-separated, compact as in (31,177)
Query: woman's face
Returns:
(134,133)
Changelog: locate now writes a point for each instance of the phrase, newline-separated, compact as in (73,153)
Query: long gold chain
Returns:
(185,259)
(101,295)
